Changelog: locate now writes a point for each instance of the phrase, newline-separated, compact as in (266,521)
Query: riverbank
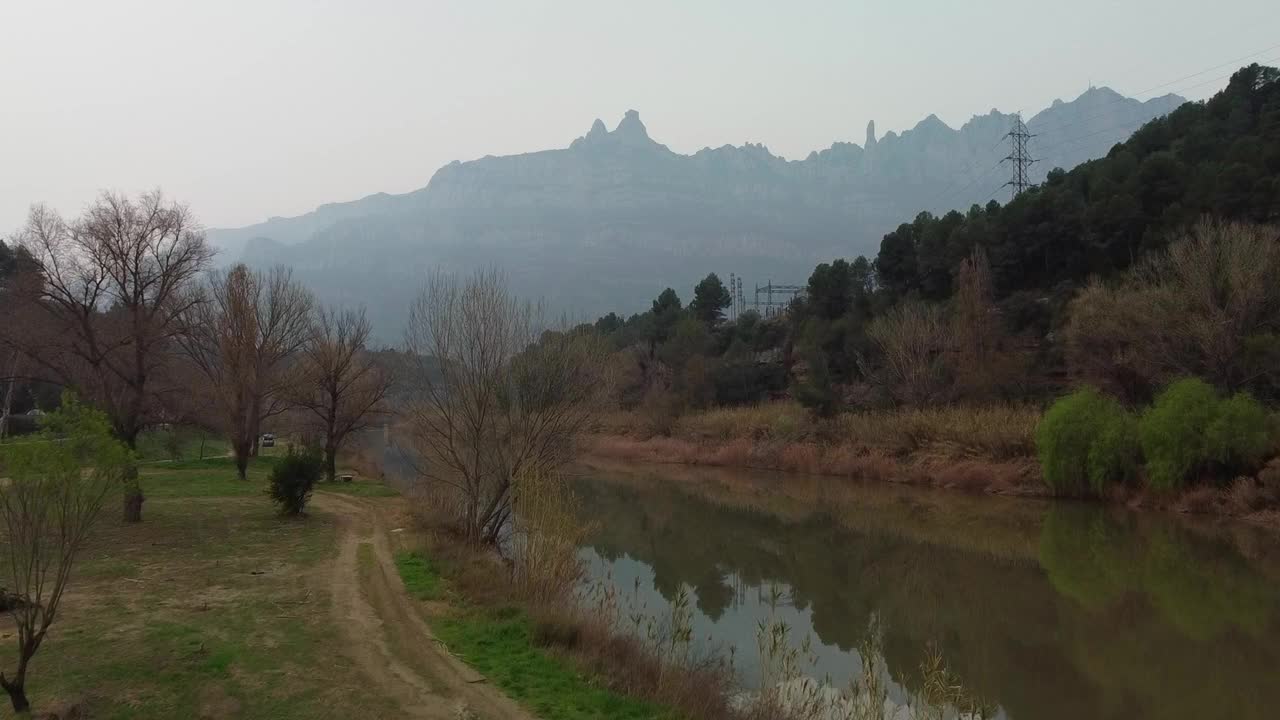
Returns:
(214,606)
(1044,608)
(987,451)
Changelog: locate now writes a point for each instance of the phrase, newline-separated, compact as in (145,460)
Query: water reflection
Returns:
(1080,613)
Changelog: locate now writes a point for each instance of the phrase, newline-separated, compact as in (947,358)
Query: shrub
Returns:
(1113,457)
(1240,437)
(292,479)
(1174,432)
(1086,440)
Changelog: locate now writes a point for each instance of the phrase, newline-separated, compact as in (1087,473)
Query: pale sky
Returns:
(249,108)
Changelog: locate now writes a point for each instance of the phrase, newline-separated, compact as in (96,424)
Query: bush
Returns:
(1087,440)
(292,479)
(1175,432)
(1240,437)
(1114,455)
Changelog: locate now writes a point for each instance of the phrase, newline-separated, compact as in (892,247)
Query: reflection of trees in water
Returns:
(1203,589)
(1160,620)
(1129,610)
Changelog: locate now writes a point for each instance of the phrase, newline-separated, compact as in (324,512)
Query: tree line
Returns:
(121,306)
(1108,274)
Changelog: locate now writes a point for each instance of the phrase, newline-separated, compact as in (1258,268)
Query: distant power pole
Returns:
(732,297)
(1019,156)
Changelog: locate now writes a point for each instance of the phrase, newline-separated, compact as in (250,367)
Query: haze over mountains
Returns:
(608,222)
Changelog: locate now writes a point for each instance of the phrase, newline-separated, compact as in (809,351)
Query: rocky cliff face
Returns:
(609,221)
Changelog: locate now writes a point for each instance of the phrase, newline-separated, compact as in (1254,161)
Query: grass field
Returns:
(498,640)
(209,608)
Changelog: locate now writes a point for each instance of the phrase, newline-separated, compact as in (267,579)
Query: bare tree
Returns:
(985,362)
(112,287)
(54,494)
(241,339)
(340,384)
(1209,306)
(496,399)
(910,340)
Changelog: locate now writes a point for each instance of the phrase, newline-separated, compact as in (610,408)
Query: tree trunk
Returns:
(241,448)
(6,403)
(18,696)
(330,462)
(133,497)
(17,687)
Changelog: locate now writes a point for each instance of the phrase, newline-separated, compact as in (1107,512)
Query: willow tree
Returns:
(497,397)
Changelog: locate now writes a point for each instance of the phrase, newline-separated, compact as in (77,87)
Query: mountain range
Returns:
(608,222)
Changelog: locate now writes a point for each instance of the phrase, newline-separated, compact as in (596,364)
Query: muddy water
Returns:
(1041,610)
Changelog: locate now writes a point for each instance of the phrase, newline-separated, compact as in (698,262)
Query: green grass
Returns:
(420,577)
(185,443)
(207,608)
(499,644)
(212,477)
(216,477)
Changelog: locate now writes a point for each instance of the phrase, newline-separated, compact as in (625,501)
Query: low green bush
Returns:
(292,479)
(1190,430)
(1115,453)
(1087,440)
(1241,435)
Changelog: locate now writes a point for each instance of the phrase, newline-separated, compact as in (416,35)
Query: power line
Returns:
(1136,124)
(1019,157)
(953,187)
(1139,94)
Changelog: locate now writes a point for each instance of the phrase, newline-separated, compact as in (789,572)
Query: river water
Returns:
(1040,610)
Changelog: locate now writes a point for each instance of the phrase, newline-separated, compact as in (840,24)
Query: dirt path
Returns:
(387,639)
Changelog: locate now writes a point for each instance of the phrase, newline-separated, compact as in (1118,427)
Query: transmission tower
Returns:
(733,297)
(1019,156)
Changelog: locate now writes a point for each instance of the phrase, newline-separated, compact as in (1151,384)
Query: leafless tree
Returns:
(1209,306)
(112,287)
(242,339)
(911,340)
(496,398)
(985,360)
(341,385)
(53,495)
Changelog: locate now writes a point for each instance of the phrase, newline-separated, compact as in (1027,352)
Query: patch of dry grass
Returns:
(988,449)
(998,432)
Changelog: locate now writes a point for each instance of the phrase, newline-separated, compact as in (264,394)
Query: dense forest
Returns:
(979,305)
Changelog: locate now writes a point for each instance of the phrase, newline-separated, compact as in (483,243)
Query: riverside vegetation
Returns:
(1146,279)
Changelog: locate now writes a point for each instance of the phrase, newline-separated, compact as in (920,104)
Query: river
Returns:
(1043,610)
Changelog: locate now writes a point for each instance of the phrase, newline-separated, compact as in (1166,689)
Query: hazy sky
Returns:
(245,109)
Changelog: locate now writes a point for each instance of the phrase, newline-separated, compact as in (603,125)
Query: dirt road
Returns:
(387,640)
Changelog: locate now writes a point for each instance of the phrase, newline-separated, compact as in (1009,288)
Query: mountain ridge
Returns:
(616,216)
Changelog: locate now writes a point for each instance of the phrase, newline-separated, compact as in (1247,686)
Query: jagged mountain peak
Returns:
(630,125)
(630,132)
(616,212)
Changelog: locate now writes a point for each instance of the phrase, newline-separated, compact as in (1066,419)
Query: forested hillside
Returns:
(978,305)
